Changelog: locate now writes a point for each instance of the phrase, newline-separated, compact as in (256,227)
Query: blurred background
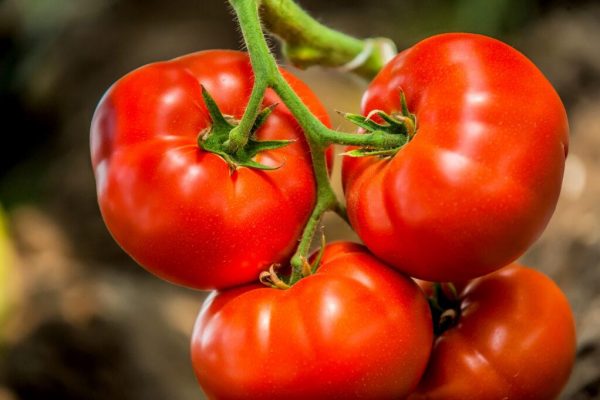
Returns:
(78,318)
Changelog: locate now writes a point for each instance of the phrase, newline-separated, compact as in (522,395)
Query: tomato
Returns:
(180,211)
(514,339)
(480,179)
(353,329)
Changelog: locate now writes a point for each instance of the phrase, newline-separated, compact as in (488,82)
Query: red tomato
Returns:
(514,339)
(353,329)
(479,181)
(179,211)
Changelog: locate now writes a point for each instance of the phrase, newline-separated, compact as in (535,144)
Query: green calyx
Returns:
(402,124)
(215,139)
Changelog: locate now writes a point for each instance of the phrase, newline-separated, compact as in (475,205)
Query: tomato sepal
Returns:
(215,138)
(380,123)
(271,279)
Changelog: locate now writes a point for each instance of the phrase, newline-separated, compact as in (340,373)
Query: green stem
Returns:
(264,68)
(318,136)
(307,42)
(267,74)
(239,135)
(263,63)
(321,133)
(326,200)
(377,139)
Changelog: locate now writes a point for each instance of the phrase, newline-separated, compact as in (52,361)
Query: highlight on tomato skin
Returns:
(479,180)
(184,213)
(513,337)
(355,328)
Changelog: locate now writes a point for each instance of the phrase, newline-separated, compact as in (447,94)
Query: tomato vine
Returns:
(307,42)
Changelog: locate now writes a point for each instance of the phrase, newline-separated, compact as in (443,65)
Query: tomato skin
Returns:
(515,340)
(354,329)
(480,180)
(178,210)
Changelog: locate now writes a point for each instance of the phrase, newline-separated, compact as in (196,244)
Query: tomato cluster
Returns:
(470,191)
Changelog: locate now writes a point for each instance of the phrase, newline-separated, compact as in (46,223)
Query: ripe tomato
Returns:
(353,329)
(477,184)
(514,339)
(179,211)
